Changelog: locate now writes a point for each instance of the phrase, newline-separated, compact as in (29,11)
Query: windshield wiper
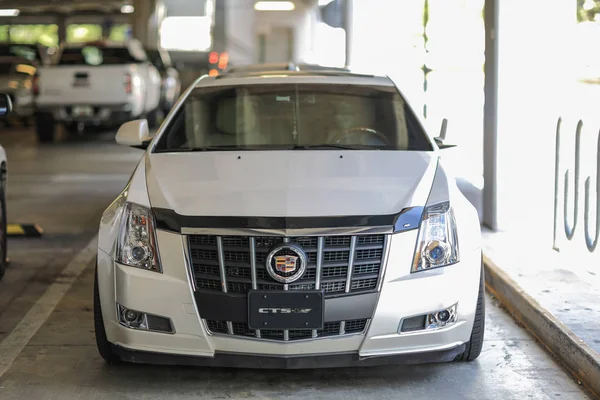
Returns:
(329,146)
(193,149)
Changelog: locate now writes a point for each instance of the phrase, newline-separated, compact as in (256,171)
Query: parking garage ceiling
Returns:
(32,7)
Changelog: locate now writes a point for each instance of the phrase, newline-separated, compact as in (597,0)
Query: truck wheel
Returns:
(44,128)
(102,343)
(475,343)
(75,128)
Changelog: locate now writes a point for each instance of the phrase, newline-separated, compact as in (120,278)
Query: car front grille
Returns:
(335,328)
(348,265)
(340,266)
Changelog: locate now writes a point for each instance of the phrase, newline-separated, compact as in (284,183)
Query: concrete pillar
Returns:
(348,28)
(61,21)
(220,26)
(146,20)
(490,114)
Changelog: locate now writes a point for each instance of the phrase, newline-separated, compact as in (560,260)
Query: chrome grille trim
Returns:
(351,263)
(384,260)
(221,258)
(252,243)
(320,247)
(342,327)
(253,262)
(189,266)
(360,230)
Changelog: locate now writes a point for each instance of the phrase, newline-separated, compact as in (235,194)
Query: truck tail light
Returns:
(35,85)
(128,83)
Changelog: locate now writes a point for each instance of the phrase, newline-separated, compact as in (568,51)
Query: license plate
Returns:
(83,111)
(285,309)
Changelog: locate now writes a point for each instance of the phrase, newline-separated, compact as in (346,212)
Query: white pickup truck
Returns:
(96,84)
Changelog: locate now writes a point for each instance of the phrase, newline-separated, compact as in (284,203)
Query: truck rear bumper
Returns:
(93,114)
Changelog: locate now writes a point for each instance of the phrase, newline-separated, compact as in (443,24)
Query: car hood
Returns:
(289,183)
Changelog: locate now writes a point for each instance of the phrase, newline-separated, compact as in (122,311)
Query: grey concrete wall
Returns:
(240,31)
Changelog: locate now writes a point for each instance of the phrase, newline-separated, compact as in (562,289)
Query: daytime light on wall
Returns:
(9,12)
(274,6)
(186,33)
(127,9)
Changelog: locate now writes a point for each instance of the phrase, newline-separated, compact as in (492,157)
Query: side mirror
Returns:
(134,134)
(5,105)
(440,139)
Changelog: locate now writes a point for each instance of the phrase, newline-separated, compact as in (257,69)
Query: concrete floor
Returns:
(49,353)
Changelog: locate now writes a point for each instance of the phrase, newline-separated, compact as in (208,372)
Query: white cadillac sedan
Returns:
(289,219)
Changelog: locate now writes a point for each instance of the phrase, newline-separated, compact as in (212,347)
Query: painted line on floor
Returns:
(16,341)
(24,230)
(567,348)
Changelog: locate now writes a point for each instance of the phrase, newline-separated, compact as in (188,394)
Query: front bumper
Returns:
(336,360)
(402,295)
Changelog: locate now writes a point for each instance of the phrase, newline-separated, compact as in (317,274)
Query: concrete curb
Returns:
(572,352)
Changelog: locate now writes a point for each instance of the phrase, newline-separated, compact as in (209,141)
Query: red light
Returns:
(213,72)
(223,60)
(36,85)
(128,84)
(213,57)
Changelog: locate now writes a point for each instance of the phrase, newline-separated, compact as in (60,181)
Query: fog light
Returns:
(148,322)
(131,318)
(442,318)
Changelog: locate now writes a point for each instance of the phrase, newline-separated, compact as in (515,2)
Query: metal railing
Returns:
(591,241)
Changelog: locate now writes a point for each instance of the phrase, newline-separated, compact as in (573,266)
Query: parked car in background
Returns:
(100,83)
(35,54)
(5,109)
(16,80)
(171,83)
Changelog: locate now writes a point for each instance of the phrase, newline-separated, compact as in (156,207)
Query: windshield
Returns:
(94,56)
(31,53)
(6,68)
(294,116)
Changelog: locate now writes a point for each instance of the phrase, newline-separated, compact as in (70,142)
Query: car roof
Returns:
(289,66)
(280,73)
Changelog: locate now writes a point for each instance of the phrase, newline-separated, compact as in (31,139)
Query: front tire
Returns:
(102,343)
(475,344)
(45,128)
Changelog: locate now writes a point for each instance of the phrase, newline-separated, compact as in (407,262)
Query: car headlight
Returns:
(136,246)
(437,244)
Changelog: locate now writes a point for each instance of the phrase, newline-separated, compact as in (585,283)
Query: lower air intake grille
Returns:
(329,329)
(413,324)
(159,324)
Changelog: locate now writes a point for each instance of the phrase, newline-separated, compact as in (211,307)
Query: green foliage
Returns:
(30,34)
(83,32)
(584,15)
